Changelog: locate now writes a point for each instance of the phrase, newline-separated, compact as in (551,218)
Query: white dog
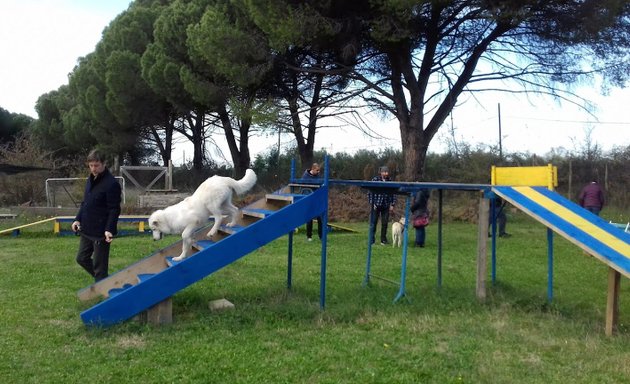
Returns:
(212,198)
(397,232)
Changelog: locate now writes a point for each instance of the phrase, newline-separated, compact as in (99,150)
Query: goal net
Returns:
(67,192)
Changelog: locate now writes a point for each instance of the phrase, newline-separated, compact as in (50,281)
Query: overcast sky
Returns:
(41,41)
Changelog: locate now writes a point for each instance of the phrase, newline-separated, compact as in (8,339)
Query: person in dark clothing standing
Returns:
(381,204)
(592,197)
(501,217)
(419,207)
(97,218)
(313,173)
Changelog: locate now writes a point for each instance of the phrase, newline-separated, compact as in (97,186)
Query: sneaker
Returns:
(309,239)
(505,235)
(383,242)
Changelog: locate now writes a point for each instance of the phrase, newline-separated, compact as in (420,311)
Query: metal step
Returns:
(203,244)
(115,291)
(170,262)
(231,230)
(145,276)
(257,212)
(290,197)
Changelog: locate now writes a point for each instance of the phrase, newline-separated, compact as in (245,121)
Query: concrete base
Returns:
(220,305)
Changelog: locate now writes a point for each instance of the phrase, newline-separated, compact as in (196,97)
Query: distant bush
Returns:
(466,165)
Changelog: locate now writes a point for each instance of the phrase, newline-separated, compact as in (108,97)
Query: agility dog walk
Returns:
(148,285)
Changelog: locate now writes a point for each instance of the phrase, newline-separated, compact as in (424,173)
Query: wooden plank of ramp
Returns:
(10,230)
(336,226)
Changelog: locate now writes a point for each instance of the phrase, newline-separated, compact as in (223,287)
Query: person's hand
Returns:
(391,208)
(76,226)
(108,237)
(374,207)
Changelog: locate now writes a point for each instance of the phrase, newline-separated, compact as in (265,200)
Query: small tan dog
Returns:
(397,232)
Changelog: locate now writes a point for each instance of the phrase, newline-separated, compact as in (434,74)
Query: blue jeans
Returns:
(420,236)
(594,210)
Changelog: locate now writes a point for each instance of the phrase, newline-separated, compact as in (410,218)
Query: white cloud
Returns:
(41,42)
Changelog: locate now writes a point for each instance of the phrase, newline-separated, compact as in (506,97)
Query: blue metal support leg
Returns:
(290,261)
(370,241)
(403,267)
(493,215)
(439,255)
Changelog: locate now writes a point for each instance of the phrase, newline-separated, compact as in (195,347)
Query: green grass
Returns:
(275,335)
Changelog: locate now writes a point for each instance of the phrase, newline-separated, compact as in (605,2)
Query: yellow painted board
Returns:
(341,227)
(544,176)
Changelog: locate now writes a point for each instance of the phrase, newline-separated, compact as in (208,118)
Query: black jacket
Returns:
(100,208)
(420,202)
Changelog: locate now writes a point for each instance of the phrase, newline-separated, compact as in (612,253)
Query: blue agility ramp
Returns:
(155,279)
(594,235)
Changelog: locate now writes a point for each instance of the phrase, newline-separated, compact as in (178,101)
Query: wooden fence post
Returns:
(612,302)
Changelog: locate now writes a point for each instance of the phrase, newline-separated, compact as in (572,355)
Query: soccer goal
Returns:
(145,178)
(64,192)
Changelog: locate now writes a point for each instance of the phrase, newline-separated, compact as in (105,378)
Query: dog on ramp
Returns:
(213,198)
(397,232)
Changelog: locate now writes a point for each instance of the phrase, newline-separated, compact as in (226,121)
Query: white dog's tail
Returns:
(246,183)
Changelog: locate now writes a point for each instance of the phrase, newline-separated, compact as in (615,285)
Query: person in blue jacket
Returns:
(313,173)
(97,218)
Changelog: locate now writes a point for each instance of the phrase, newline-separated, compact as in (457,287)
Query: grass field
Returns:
(275,335)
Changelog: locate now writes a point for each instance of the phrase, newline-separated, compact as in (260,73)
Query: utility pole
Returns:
(500,148)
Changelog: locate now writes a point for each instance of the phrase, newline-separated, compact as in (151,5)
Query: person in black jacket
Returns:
(313,174)
(501,218)
(381,204)
(419,207)
(97,218)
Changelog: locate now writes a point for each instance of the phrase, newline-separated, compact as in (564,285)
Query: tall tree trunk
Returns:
(243,160)
(164,147)
(197,126)
(410,117)
(306,146)
(296,125)
(404,81)
(414,149)
(168,144)
(240,157)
